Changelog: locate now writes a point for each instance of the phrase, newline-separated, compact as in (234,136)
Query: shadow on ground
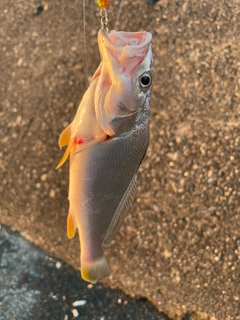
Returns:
(35,285)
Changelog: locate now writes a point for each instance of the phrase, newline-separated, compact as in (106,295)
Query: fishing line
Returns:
(84,36)
(118,14)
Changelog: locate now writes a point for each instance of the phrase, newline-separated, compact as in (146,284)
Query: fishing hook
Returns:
(104,20)
(103,14)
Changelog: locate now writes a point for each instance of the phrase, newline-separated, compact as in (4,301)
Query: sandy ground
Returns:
(179,247)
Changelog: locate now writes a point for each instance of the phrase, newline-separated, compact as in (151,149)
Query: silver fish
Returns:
(107,141)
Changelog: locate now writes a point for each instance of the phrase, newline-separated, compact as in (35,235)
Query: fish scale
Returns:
(102,173)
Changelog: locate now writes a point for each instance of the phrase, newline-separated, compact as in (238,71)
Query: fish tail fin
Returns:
(71,226)
(92,271)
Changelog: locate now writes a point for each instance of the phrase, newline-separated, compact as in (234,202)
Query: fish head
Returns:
(124,80)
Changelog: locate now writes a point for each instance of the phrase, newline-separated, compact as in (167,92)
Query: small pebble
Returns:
(75,313)
(79,303)
(39,10)
(44,177)
(52,193)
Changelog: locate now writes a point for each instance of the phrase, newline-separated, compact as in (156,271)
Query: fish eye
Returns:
(145,80)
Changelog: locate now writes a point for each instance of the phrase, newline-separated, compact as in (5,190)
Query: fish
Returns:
(107,141)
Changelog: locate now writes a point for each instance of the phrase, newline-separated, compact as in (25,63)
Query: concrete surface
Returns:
(180,245)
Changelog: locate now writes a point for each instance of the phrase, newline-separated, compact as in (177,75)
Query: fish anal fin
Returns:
(71,228)
(65,136)
(66,154)
(121,211)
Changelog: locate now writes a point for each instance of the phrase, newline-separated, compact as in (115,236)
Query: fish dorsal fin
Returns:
(121,211)
(65,136)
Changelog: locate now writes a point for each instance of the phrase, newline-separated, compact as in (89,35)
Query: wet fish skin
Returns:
(103,170)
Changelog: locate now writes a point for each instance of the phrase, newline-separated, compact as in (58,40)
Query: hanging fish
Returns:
(107,141)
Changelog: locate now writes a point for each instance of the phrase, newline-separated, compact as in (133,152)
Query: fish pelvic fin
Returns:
(80,145)
(71,227)
(65,139)
(66,154)
(95,270)
(65,136)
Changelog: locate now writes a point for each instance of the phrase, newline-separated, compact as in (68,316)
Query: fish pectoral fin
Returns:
(65,136)
(121,211)
(66,154)
(85,144)
(71,227)
(80,145)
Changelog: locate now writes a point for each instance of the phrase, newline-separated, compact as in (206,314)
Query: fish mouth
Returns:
(119,39)
(122,52)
